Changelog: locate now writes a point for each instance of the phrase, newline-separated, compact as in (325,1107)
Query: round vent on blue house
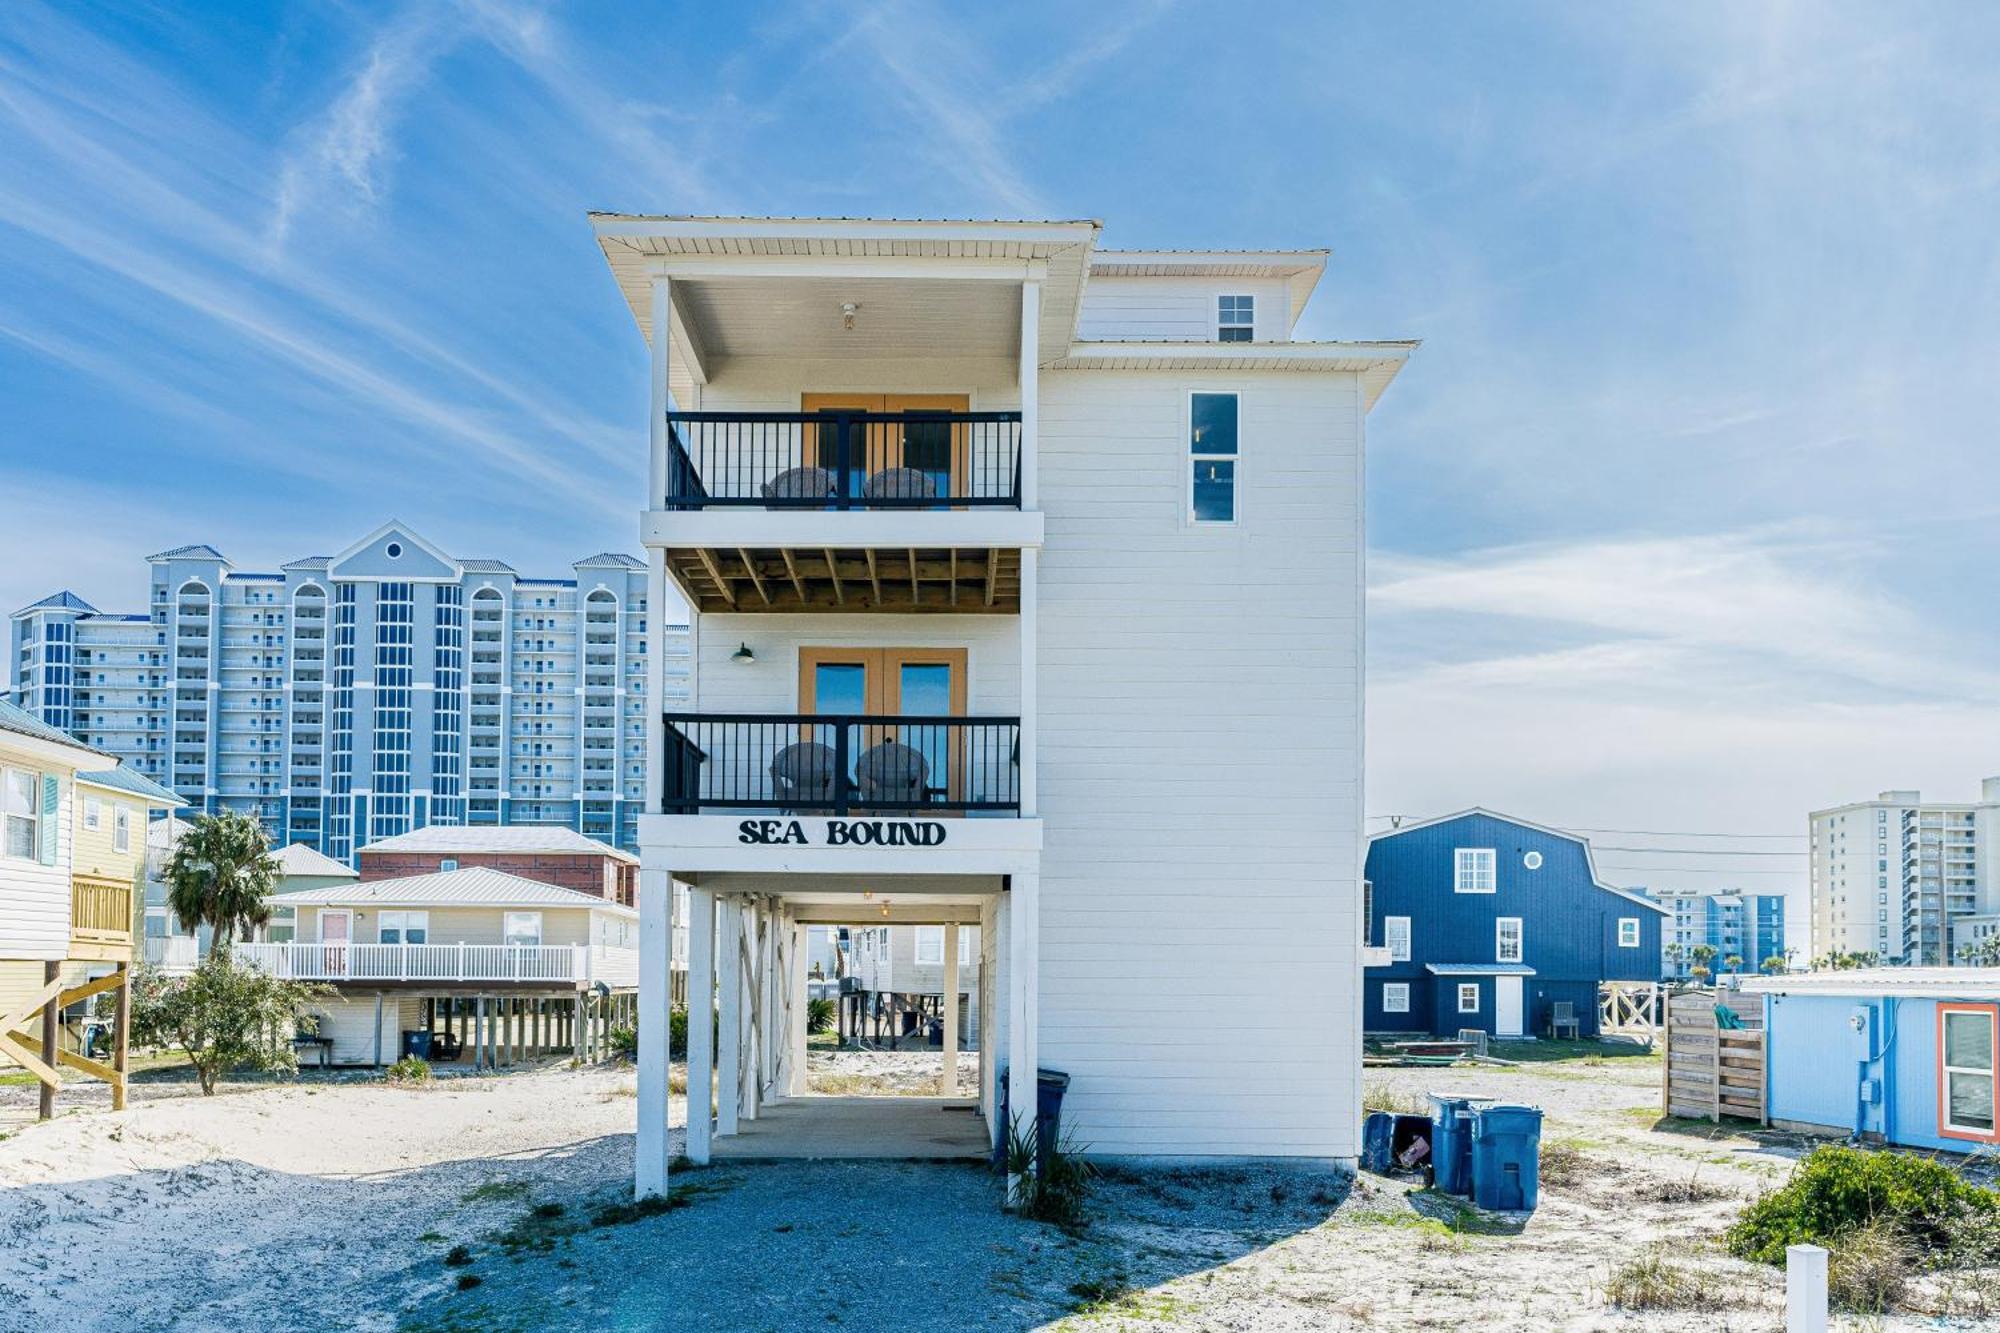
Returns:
(1533,860)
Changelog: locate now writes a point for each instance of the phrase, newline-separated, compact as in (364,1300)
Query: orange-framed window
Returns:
(1968,1035)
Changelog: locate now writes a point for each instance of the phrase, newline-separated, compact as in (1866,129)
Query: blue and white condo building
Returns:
(1477,920)
(1749,927)
(357,696)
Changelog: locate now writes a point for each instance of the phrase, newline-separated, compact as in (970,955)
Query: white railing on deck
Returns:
(171,953)
(569,963)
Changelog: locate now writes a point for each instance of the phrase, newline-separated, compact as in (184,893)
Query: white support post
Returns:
(801,1011)
(948,1076)
(753,1007)
(662,318)
(1025,626)
(1805,1289)
(729,1059)
(1023,1004)
(1031,384)
(656,934)
(701,1026)
(767,1008)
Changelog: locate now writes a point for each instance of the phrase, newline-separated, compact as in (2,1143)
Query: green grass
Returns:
(1589,1051)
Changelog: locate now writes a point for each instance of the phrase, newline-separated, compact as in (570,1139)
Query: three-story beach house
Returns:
(1026,582)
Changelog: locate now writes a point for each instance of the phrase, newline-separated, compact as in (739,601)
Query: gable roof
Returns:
(450,838)
(402,530)
(197,552)
(23,723)
(471,886)
(299,859)
(618,558)
(486,566)
(308,562)
(131,783)
(164,833)
(1589,857)
(60,601)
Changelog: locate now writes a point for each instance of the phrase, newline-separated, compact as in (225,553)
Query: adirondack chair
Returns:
(1562,1014)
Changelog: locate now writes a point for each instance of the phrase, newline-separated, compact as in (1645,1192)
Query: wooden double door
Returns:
(888,683)
(939,448)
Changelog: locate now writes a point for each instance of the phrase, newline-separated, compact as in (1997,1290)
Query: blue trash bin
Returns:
(1050,1085)
(1377,1133)
(1451,1148)
(417,1042)
(1506,1157)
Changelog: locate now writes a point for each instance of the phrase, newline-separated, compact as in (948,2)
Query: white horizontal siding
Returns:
(1201,764)
(1175,309)
(771,683)
(34,898)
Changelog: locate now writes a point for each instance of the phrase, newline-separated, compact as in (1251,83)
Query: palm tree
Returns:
(221,875)
(1734,962)
(1773,965)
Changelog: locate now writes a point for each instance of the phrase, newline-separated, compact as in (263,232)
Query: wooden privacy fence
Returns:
(1710,1071)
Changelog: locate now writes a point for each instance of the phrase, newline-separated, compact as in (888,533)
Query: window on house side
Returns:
(121,829)
(1473,870)
(93,812)
(1468,997)
(522,928)
(1395,997)
(930,945)
(1507,940)
(1235,318)
(20,809)
(1212,420)
(1396,934)
(403,927)
(1966,1067)
(448,863)
(1628,932)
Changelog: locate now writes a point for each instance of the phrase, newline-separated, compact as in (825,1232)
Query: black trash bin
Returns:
(1050,1084)
(417,1042)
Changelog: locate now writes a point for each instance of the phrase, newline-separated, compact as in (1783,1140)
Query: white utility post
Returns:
(801,1010)
(701,1026)
(948,1077)
(1805,1289)
(1023,943)
(729,1057)
(656,935)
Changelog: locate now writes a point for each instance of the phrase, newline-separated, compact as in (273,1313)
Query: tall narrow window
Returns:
(1396,935)
(1628,932)
(20,806)
(1966,1070)
(1212,447)
(1235,318)
(930,945)
(1507,940)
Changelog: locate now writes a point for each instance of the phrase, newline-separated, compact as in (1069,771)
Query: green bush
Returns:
(624,1042)
(819,1015)
(410,1069)
(1838,1192)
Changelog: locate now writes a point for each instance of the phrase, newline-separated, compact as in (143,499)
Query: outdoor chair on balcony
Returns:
(899,483)
(800,483)
(892,774)
(802,775)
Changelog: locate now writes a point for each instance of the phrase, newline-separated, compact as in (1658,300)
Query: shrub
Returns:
(410,1069)
(820,1015)
(1056,1192)
(1837,1192)
(1867,1270)
(677,1033)
(1654,1282)
(458,1256)
(624,1042)
(223,1016)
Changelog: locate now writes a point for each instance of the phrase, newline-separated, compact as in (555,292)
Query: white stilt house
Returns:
(1026,590)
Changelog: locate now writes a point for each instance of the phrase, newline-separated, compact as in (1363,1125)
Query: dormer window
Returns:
(1235,318)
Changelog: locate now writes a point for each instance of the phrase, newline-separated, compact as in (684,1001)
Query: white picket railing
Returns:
(171,953)
(572,963)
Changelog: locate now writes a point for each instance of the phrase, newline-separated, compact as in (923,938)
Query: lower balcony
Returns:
(100,919)
(820,764)
(534,964)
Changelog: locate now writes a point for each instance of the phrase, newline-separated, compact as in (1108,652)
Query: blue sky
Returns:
(1684,517)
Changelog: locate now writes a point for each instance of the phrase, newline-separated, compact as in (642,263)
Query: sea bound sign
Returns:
(844,833)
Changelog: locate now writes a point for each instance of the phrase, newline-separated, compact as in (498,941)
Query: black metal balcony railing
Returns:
(802,763)
(843,460)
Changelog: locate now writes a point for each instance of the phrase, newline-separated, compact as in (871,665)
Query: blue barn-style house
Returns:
(1478,920)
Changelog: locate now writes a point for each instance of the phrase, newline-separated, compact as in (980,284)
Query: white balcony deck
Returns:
(538,964)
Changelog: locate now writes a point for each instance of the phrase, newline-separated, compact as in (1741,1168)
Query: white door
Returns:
(1506,1006)
(336,929)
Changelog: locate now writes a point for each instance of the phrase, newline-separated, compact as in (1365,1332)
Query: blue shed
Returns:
(1477,920)
(1904,1055)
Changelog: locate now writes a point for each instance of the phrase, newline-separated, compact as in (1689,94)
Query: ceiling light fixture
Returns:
(847,309)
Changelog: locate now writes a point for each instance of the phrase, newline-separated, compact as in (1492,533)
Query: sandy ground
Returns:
(335,1204)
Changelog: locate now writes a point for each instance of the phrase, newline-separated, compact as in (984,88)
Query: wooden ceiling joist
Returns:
(722,584)
(756,580)
(819,579)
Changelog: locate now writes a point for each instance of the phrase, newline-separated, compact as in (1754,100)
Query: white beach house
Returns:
(1026,582)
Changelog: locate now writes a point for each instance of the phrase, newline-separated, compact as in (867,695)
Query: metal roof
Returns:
(299,859)
(308,562)
(473,886)
(618,558)
(1944,983)
(1480,969)
(448,838)
(18,720)
(197,552)
(486,566)
(60,601)
(133,783)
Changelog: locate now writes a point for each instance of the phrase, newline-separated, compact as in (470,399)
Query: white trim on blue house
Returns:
(1589,857)
(1479,969)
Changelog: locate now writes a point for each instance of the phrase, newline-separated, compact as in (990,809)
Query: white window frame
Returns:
(1465,867)
(1235,461)
(968,947)
(121,828)
(1389,924)
(447,863)
(507,931)
(1395,997)
(1946,1127)
(93,812)
(929,948)
(1500,954)
(405,920)
(1468,990)
(1249,316)
(1629,933)
(10,816)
